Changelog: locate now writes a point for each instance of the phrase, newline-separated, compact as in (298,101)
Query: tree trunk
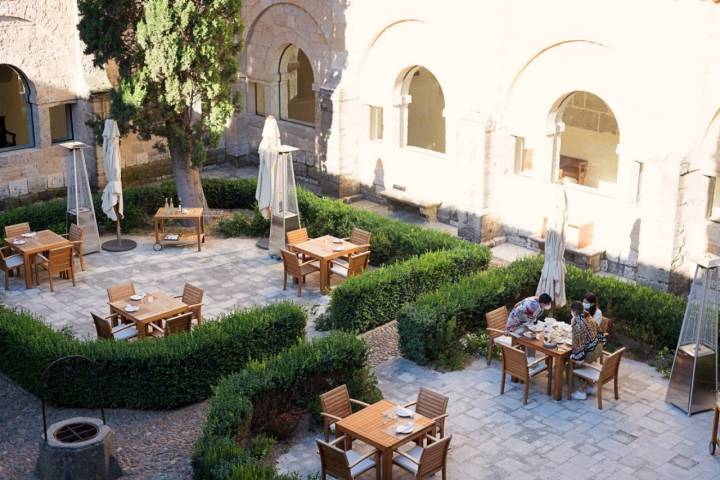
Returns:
(187,177)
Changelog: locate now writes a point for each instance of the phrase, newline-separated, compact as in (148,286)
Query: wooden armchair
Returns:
(193,297)
(345,465)
(10,263)
(432,405)
(296,236)
(178,324)
(516,364)
(17,229)
(422,462)
(121,291)
(599,376)
(496,321)
(59,261)
(358,237)
(75,236)
(356,265)
(296,268)
(105,330)
(336,405)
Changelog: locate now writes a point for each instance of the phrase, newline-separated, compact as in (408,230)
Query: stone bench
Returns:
(586,257)
(428,209)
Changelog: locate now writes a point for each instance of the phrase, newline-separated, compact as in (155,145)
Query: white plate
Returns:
(29,234)
(405,429)
(17,241)
(338,249)
(131,308)
(404,412)
(137,296)
(338,240)
(528,334)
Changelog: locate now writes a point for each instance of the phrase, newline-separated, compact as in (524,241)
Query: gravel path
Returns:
(383,343)
(151,445)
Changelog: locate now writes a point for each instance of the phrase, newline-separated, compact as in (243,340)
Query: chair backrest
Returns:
(611,365)
(336,402)
(515,362)
(497,319)
(192,295)
(333,461)
(76,233)
(360,237)
(357,263)
(118,292)
(17,229)
(605,325)
(434,457)
(297,236)
(292,263)
(431,404)
(178,324)
(60,259)
(102,327)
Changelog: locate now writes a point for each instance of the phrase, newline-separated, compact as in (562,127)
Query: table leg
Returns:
(29,260)
(324,276)
(387,463)
(569,370)
(157,231)
(558,380)
(197,232)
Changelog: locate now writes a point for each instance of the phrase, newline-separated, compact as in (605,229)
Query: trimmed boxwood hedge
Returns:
(270,397)
(644,319)
(152,374)
(376,297)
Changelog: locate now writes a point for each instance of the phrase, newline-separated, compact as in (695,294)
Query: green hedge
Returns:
(152,374)
(376,297)
(269,398)
(430,329)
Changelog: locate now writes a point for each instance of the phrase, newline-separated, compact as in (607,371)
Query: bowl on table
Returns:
(338,240)
(405,428)
(137,297)
(131,308)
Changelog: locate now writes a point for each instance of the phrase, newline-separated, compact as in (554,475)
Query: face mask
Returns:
(586,305)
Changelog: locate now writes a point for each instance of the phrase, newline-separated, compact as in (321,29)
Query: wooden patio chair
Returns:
(599,376)
(121,291)
(357,264)
(59,261)
(171,326)
(17,229)
(345,465)
(296,268)
(432,405)
(422,462)
(10,263)
(334,406)
(516,363)
(496,321)
(193,297)
(76,235)
(105,330)
(358,237)
(296,236)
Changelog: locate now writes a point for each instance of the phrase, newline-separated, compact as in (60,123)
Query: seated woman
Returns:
(527,311)
(590,305)
(587,343)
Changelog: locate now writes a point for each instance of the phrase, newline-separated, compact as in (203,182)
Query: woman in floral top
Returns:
(587,341)
(527,311)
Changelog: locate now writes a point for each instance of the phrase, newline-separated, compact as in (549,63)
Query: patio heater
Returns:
(285,215)
(80,208)
(693,381)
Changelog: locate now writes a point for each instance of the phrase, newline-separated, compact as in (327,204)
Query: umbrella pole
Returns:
(119,244)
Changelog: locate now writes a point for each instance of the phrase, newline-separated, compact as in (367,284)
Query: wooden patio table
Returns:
(194,214)
(370,426)
(559,354)
(153,307)
(325,250)
(42,241)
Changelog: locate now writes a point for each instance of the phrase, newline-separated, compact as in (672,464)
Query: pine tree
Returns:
(177,61)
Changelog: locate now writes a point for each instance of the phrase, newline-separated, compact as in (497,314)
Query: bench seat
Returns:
(427,208)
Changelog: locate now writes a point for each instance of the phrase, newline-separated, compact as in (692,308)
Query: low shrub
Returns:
(250,224)
(247,403)
(376,297)
(431,328)
(148,374)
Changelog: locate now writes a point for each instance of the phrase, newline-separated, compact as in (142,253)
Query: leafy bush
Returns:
(432,327)
(246,224)
(247,402)
(152,374)
(375,298)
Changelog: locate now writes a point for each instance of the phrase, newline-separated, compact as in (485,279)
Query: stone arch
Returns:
(17,111)
(314,8)
(424,102)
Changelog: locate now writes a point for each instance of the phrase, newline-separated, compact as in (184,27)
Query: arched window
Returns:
(297,97)
(426,111)
(588,142)
(15,110)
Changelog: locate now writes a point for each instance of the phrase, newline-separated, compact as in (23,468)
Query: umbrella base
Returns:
(122,245)
(263,243)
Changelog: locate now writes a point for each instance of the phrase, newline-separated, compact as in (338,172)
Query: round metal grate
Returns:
(76,432)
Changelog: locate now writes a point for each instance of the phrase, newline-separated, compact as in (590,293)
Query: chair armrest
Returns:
(65,235)
(193,305)
(440,417)
(128,325)
(410,404)
(431,439)
(367,455)
(496,330)
(337,440)
(177,296)
(308,262)
(530,365)
(40,256)
(416,461)
(331,417)
(358,402)
(155,327)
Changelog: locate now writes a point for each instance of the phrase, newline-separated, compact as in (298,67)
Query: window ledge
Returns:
(424,151)
(590,190)
(298,123)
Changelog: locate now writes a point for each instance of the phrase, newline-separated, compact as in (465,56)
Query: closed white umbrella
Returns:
(112,197)
(268,152)
(552,278)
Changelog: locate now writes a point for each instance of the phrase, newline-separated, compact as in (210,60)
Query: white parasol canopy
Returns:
(552,278)
(268,152)
(112,195)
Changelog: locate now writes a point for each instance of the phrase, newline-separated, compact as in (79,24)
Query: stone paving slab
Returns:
(495,436)
(233,272)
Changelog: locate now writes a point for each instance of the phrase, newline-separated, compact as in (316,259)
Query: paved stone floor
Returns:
(233,272)
(639,437)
